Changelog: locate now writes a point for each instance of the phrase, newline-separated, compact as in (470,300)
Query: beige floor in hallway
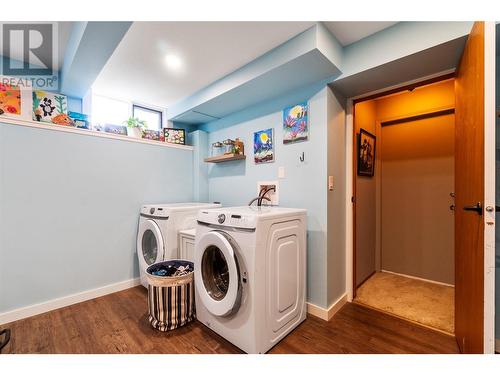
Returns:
(420,301)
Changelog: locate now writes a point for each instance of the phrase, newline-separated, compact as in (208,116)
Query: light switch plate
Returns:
(281,172)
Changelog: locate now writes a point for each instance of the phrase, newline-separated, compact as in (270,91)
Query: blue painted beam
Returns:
(90,45)
(441,59)
(398,41)
(404,51)
(309,57)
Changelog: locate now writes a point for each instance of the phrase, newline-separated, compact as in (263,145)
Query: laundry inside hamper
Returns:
(171,296)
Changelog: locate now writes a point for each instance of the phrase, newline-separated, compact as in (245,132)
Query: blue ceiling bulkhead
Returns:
(403,52)
(400,53)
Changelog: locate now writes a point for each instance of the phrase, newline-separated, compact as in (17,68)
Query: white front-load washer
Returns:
(157,232)
(250,273)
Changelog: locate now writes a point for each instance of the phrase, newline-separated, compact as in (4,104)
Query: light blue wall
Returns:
(69,208)
(304,185)
(199,140)
(74,104)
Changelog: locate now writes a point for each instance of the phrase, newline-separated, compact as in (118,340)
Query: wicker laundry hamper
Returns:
(170,298)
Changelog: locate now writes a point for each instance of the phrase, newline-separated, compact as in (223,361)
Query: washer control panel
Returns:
(227,219)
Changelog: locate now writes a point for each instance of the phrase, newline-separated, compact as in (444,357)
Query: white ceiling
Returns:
(137,71)
(349,32)
(209,50)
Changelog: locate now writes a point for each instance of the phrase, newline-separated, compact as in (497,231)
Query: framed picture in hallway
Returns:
(366,153)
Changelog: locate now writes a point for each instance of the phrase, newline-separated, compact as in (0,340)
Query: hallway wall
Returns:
(417,176)
(366,214)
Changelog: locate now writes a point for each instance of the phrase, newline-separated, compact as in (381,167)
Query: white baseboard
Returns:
(25,312)
(327,314)
(418,278)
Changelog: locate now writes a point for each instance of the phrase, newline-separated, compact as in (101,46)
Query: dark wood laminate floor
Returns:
(117,323)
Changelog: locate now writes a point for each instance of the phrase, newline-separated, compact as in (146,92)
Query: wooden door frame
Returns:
(351,257)
(489,186)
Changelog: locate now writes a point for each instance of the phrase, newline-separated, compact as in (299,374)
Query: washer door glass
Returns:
(217,275)
(151,243)
(215,272)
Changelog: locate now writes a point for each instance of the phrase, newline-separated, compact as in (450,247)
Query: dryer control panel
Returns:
(154,211)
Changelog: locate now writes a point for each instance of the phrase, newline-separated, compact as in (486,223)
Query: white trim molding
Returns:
(327,314)
(418,278)
(489,187)
(40,308)
(88,132)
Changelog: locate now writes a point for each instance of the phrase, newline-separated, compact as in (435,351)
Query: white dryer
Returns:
(157,233)
(250,273)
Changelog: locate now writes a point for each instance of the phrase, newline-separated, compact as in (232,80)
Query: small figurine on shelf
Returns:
(239,147)
(38,114)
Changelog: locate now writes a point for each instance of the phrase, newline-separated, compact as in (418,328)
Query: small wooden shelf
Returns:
(224,158)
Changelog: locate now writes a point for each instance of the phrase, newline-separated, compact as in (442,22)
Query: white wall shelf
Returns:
(86,132)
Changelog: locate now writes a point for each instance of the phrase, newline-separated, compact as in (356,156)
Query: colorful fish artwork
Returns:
(295,123)
(48,107)
(263,146)
(10,99)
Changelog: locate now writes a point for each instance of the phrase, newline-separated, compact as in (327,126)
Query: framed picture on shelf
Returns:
(263,146)
(81,120)
(115,129)
(50,107)
(152,135)
(16,100)
(366,153)
(175,136)
(10,100)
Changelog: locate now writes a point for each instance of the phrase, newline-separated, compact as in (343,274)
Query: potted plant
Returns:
(135,127)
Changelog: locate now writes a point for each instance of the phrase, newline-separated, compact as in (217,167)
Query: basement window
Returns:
(153,117)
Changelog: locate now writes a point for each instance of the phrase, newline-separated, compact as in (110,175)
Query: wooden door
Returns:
(469,189)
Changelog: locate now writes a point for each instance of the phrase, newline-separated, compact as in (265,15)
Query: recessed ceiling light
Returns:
(173,62)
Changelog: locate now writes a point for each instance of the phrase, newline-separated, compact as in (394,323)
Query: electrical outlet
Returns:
(273,195)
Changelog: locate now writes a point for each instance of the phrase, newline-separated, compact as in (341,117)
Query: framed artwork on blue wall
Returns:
(296,123)
(263,146)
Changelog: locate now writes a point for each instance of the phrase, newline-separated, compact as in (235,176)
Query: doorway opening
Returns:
(404,174)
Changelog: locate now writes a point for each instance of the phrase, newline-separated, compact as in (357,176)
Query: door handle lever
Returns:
(478,208)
